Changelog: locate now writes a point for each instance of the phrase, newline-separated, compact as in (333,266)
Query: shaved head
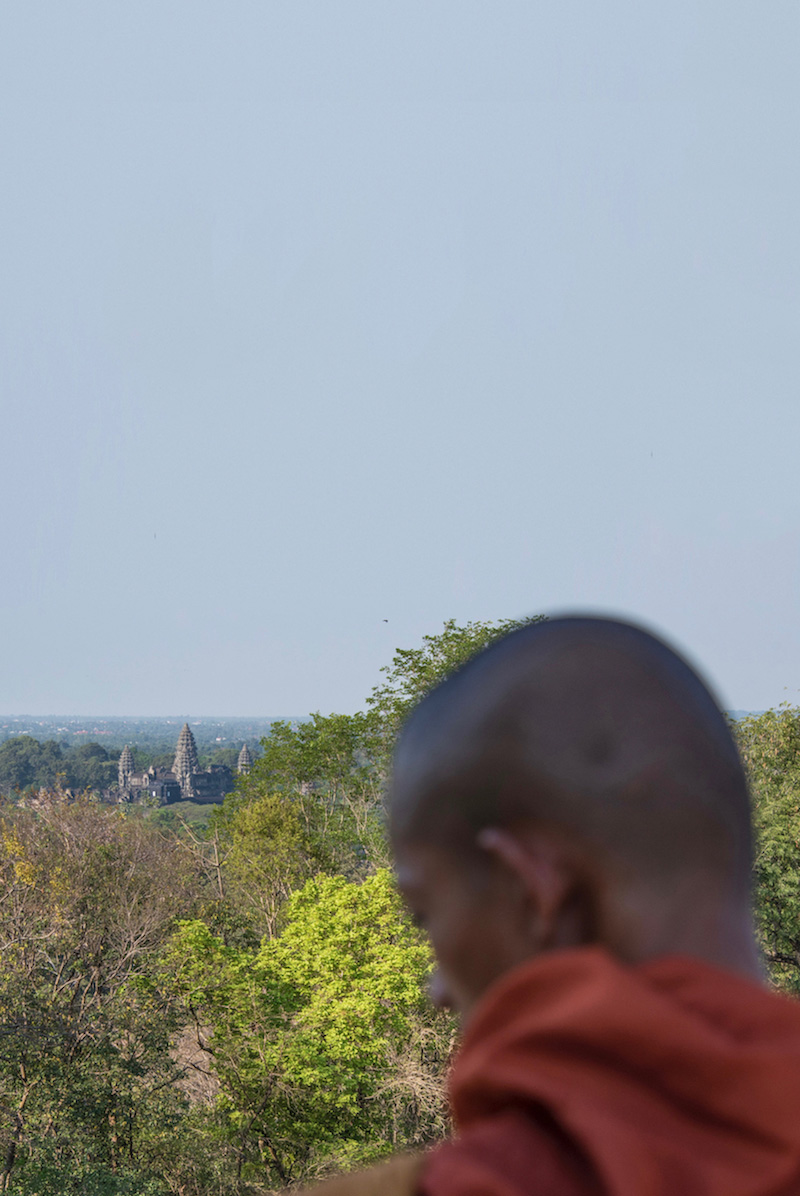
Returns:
(593,729)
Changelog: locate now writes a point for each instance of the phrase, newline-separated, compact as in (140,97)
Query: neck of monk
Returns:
(638,925)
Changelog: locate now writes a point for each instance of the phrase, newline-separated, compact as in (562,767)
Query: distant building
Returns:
(125,767)
(185,765)
(245,761)
(163,791)
(185,781)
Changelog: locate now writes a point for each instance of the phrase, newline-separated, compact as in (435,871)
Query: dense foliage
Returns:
(89,898)
(234,1009)
(225,1011)
(770,747)
(26,763)
(321,1039)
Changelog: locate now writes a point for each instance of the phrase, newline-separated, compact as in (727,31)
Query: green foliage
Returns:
(313,802)
(415,671)
(323,752)
(227,756)
(227,999)
(309,1028)
(283,1031)
(25,763)
(86,1076)
(275,842)
(770,748)
(322,1039)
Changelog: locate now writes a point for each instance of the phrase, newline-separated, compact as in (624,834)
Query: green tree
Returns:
(322,1039)
(414,672)
(312,803)
(89,767)
(770,747)
(275,843)
(26,763)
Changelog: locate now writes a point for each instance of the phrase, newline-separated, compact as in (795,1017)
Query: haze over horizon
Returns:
(321,324)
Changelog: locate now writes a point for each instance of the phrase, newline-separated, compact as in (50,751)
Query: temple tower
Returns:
(186,763)
(245,761)
(125,769)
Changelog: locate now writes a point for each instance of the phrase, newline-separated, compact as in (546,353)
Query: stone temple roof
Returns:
(245,761)
(186,753)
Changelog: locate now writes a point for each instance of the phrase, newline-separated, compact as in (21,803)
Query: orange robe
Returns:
(578,1076)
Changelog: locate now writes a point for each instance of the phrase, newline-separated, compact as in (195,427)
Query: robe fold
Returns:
(580,1077)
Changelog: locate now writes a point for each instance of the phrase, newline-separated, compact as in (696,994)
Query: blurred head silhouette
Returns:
(575,783)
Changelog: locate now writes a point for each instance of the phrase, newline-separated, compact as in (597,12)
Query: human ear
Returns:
(538,866)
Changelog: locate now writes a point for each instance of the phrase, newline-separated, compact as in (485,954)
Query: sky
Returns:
(324,322)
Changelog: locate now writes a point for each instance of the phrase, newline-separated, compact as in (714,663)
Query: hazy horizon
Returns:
(196,719)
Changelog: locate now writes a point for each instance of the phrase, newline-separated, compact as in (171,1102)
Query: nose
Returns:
(438,990)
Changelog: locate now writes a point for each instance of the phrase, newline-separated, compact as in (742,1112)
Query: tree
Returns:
(87,898)
(311,803)
(315,1046)
(324,1042)
(25,762)
(322,1039)
(275,843)
(770,747)
(88,767)
(414,672)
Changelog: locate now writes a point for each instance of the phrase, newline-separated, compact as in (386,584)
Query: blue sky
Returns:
(315,315)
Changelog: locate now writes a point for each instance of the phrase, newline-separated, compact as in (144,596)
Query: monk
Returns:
(571,826)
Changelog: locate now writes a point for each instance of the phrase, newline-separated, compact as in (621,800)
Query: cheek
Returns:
(470,955)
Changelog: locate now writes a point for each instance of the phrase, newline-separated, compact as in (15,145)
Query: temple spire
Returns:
(186,763)
(125,768)
(245,761)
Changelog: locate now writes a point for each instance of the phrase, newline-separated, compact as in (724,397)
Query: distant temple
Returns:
(245,761)
(185,781)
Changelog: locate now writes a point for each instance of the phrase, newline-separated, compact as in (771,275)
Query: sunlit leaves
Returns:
(307,1029)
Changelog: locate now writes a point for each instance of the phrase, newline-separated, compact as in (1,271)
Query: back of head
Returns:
(590,727)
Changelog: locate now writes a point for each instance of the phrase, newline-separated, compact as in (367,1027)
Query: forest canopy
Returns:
(238,1008)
